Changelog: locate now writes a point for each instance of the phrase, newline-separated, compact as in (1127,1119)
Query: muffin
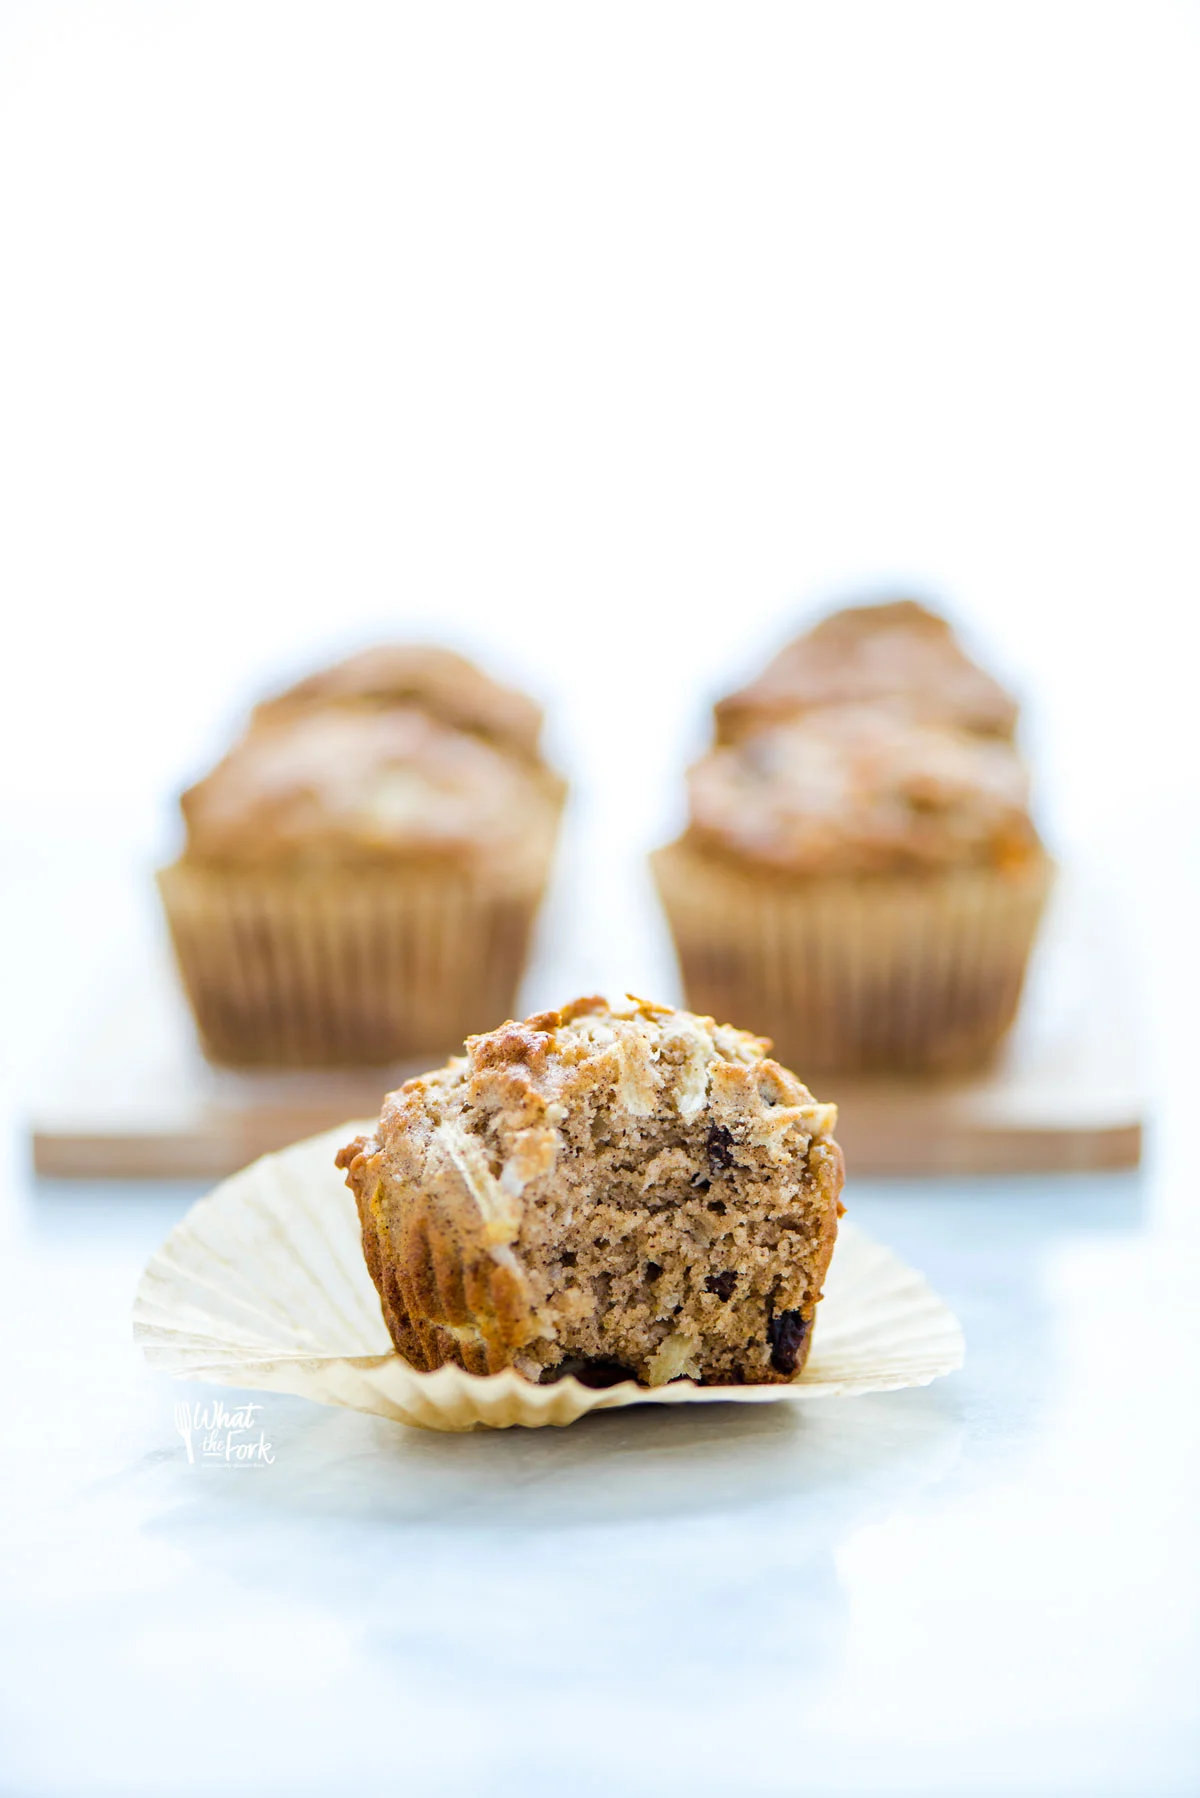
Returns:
(437,681)
(861,887)
(631,1193)
(363,869)
(897,655)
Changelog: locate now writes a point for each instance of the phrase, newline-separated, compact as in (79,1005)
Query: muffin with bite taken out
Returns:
(606,1192)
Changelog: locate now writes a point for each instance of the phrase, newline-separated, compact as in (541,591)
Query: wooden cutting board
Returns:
(136,1099)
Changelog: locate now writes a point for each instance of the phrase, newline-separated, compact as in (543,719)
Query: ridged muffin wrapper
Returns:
(263,1286)
(347,969)
(875,974)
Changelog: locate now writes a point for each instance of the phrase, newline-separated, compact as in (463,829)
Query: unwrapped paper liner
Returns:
(263,1285)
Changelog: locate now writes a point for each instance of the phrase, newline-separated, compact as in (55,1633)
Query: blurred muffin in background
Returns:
(861,882)
(363,869)
(438,681)
(897,654)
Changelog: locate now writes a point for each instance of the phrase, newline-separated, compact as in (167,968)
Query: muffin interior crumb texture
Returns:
(610,1193)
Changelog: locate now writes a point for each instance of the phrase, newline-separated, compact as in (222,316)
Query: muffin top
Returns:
(517,1086)
(860,790)
(898,653)
(443,684)
(649,1055)
(350,785)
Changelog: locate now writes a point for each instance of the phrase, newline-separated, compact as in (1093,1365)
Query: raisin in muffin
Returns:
(863,888)
(362,872)
(897,655)
(611,1193)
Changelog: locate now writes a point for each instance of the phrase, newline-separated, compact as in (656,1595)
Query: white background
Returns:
(606,342)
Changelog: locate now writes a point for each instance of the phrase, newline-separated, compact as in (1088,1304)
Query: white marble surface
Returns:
(984,1587)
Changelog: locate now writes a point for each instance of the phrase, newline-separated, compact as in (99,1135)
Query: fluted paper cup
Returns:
(881,974)
(336,970)
(263,1285)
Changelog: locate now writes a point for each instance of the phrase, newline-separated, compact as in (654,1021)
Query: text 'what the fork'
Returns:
(214,1436)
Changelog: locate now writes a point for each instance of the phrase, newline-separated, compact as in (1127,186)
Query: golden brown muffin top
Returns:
(858,790)
(439,682)
(527,1076)
(899,653)
(343,785)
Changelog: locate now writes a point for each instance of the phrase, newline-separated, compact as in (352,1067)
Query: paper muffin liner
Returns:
(263,1285)
(330,970)
(881,974)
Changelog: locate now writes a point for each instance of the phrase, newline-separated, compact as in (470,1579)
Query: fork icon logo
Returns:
(185,1424)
